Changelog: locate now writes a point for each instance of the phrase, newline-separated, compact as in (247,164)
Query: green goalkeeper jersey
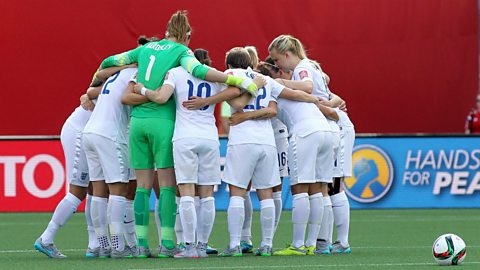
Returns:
(154,60)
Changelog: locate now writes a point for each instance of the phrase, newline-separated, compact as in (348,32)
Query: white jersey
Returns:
(301,118)
(279,128)
(111,118)
(308,71)
(255,131)
(79,118)
(193,123)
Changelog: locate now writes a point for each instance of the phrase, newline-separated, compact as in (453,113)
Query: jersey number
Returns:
(259,98)
(105,90)
(200,88)
(149,68)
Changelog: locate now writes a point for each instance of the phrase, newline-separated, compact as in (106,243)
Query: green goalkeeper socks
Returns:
(167,210)
(141,205)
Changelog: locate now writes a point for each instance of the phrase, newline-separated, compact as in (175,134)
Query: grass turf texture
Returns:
(380,239)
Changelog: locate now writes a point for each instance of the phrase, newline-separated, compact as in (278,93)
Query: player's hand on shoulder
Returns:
(260,81)
(195,103)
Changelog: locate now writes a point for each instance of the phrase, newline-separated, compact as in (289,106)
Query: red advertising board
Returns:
(32,175)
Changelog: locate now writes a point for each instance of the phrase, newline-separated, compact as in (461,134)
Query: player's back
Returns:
(110,118)
(259,130)
(79,118)
(301,118)
(193,123)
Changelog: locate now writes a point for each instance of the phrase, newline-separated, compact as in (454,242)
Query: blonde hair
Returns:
(252,51)
(178,26)
(287,43)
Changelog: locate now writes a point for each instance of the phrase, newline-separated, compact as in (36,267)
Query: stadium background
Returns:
(404,66)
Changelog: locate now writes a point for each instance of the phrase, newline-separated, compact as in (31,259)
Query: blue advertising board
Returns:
(401,172)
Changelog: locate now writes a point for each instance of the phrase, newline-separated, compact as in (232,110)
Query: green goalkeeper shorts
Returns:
(151,143)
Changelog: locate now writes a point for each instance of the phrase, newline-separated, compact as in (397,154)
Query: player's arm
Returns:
(130,98)
(240,102)
(104,74)
(305,85)
(94,92)
(195,103)
(297,95)
(264,113)
(334,102)
(161,95)
(328,112)
(194,67)
(121,59)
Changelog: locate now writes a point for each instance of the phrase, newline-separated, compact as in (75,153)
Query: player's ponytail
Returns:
(178,26)
(287,43)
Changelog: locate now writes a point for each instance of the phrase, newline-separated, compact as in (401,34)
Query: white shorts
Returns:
(255,162)
(282,152)
(310,158)
(107,159)
(197,161)
(343,164)
(75,159)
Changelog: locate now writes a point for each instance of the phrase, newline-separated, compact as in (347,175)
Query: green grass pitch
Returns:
(380,239)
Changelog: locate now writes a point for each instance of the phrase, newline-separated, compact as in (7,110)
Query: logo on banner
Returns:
(372,174)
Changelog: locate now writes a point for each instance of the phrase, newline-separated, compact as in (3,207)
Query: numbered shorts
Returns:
(282,152)
(107,159)
(197,161)
(255,162)
(75,159)
(343,165)
(310,158)
(151,143)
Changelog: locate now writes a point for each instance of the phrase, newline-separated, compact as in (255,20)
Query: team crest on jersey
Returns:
(190,52)
(303,74)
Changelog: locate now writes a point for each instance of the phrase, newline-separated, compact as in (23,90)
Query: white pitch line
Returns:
(297,266)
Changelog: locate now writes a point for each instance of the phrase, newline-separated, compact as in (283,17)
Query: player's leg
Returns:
(282,151)
(208,176)
(302,163)
(156,189)
(77,177)
(160,135)
(141,159)
(235,218)
(93,245)
(246,238)
(178,223)
(265,177)
(116,212)
(326,166)
(240,164)
(129,221)
(99,216)
(341,206)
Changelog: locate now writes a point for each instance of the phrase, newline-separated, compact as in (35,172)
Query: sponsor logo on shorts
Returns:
(372,174)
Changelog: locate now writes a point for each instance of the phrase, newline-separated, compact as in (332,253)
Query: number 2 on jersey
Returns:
(105,90)
(259,98)
(200,87)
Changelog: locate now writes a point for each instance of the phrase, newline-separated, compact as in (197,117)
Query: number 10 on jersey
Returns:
(200,91)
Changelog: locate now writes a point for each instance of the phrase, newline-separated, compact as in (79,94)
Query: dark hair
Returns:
(269,62)
(142,40)
(238,57)
(202,56)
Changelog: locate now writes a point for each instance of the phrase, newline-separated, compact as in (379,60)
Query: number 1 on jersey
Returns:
(149,67)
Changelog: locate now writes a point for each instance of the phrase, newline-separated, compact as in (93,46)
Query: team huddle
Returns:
(147,123)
